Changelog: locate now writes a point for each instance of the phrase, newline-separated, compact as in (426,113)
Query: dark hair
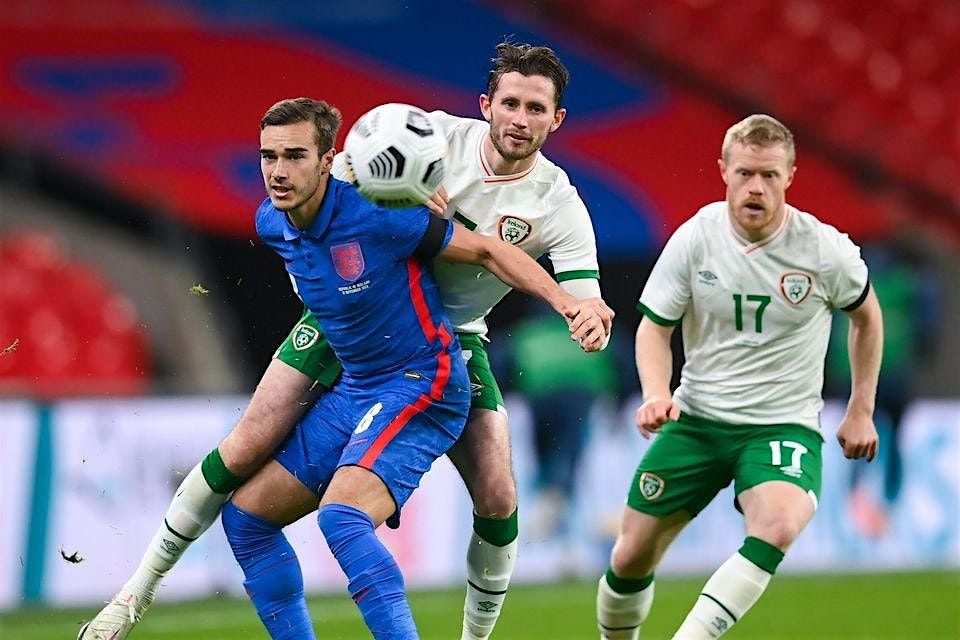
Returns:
(529,61)
(326,117)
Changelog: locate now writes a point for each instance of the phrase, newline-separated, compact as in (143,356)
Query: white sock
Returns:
(728,594)
(194,507)
(489,568)
(619,615)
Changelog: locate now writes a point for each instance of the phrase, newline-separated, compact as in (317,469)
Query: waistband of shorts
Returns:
(698,421)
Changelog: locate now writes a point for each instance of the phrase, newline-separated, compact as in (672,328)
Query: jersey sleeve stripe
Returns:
(578,274)
(464,220)
(859,301)
(663,322)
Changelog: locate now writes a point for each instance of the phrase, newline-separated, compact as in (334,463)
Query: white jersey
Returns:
(537,210)
(755,316)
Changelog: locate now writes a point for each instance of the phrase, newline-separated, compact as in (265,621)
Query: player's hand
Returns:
(858,437)
(590,323)
(438,201)
(654,413)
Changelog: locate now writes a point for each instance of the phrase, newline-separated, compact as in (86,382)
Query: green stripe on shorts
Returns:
(306,349)
(484,390)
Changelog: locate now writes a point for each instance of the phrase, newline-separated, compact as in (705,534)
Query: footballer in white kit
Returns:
(755,316)
(538,210)
(752,282)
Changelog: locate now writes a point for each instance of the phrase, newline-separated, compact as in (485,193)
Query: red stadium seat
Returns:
(74,334)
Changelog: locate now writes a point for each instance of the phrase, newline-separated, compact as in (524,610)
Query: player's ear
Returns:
(790,174)
(558,119)
(723,170)
(326,160)
(485,107)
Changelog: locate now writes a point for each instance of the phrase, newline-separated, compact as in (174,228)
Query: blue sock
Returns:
(274,581)
(375,581)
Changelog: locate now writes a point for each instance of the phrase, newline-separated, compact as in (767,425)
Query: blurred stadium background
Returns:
(137,310)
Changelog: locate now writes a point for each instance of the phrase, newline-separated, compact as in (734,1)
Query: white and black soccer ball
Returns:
(394,155)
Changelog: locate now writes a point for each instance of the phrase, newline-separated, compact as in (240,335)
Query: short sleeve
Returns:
(402,230)
(844,273)
(445,121)
(667,293)
(572,243)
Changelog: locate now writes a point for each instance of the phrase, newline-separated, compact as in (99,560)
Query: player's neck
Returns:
(499,165)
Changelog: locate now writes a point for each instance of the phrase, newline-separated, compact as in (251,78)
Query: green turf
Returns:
(915,606)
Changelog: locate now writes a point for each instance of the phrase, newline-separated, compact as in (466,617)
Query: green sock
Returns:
(627,585)
(497,531)
(220,479)
(761,553)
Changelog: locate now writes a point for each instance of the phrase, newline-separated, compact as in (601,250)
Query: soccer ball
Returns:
(394,155)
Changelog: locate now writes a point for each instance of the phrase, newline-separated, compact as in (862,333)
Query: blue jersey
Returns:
(354,268)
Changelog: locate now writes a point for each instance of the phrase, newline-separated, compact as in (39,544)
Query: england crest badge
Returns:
(348,260)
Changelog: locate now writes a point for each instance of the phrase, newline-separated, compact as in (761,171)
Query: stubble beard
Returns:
(513,156)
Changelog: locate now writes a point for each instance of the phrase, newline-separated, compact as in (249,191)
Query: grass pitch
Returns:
(902,606)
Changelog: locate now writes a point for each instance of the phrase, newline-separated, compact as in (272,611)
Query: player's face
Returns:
(294,172)
(757,179)
(521,114)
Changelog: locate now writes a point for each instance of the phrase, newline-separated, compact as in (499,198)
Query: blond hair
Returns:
(760,130)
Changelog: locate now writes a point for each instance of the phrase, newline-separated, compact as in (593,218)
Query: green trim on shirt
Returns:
(464,220)
(663,322)
(563,276)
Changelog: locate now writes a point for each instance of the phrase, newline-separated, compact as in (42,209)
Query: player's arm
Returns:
(590,319)
(857,433)
(655,368)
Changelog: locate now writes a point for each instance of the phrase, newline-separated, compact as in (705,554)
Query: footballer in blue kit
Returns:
(404,395)
(403,400)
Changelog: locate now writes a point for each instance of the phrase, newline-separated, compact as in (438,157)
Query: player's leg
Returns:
(777,484)
(276,405)
(284,490)
(482,456)
(354,505)
(678,476)
(253,521)
(625,592)
(304,366)
(400,426)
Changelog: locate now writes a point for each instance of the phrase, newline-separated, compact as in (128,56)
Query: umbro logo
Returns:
(487,606)
(719,624)
(707,277)
(170,546)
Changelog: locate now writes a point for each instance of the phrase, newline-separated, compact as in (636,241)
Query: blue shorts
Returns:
(395,425)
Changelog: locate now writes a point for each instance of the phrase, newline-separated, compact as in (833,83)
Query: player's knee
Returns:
(244,531)
(779,532)
(241,455)
(631,558)
(495,500)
